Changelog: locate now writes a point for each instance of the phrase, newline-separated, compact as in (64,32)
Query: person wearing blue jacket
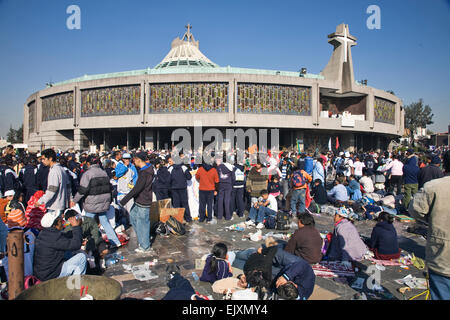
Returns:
(225,172)
(309,164)
(383,241)
(29,178)
(179,175)
(410,179)
(162,181)
(10,177)
(295,281)
(237,194)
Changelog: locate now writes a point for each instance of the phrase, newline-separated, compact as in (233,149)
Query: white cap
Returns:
(341,153)
(126,156)
(48,219)
(347,154)
(10,193)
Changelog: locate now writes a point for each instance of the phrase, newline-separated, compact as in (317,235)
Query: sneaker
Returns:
(249,223)
(141,250)
(260,226)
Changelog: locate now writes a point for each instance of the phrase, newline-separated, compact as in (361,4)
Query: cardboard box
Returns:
(161,211)
(177,213)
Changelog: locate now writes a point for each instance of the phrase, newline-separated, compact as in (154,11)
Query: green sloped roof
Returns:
(183,69)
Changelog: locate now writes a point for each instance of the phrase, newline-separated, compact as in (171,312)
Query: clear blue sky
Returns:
(410,54)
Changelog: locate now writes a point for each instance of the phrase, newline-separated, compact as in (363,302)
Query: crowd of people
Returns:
(76,206)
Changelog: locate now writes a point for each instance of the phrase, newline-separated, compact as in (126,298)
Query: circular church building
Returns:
(187,90)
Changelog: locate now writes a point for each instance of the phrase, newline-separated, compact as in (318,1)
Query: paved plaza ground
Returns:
(200,238)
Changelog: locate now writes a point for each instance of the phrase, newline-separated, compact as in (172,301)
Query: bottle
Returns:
(110,262)
(195,276)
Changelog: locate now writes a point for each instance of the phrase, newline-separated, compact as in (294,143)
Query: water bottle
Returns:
(195,276)
(110,262)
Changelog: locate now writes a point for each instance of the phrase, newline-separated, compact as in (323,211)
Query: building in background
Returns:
(143,107)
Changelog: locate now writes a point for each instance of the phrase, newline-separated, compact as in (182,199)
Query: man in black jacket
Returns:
(142,195)
(430,172)
(52,245)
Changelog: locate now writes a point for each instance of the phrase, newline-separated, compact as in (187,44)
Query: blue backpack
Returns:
(298,180)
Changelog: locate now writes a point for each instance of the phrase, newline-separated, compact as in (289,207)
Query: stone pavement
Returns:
(200,238)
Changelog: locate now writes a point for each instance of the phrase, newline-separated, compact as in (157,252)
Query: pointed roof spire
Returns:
(185,52)
(340,66)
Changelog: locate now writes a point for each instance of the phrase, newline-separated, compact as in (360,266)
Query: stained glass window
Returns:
(273,99)
(188,97)
(58,106)
(110,101)
(384,111)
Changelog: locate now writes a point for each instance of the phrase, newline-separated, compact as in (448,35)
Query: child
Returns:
(274,188)
(216,266)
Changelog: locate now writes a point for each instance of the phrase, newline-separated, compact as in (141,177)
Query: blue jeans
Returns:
(140,220)
(298,195)
(110,233)
(3,236)
(241,258)
(75,265)
(258,215)
(439,286)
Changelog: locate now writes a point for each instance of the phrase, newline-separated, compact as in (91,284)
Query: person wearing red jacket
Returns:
(207,177)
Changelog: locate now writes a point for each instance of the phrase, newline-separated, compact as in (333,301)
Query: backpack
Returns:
(270,222)
(370,164)
(298,180)
(239,175)
(282,221)
(175,227)
(161,229)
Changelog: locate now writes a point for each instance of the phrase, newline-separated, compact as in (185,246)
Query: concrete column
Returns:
(231,101)
(397,117)
(142,104)
(315,103)
(370,110)
(77,106)
(147,103)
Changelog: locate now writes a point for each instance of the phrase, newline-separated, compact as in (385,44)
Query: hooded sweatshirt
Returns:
(225,170)
(207,177)
(179,175)
(411,171)
(384,238)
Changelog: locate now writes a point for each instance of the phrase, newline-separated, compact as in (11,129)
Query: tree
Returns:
(417,115)
(15,136)
(19,134)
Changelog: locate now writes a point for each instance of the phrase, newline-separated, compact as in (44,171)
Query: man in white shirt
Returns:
(348,163)
(358,168)
(266,205)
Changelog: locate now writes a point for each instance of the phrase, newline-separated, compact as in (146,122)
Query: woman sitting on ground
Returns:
(383,241)
(217,266)
(346,244)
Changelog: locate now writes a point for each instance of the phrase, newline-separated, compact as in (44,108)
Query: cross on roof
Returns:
(188,28)
(346,40)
